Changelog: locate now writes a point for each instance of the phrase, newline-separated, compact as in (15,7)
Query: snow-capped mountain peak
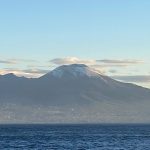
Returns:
(75,70)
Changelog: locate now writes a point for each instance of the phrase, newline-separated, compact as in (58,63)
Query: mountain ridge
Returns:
(98,74)
(79,93)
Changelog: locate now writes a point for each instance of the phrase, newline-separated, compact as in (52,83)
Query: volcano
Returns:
(75,89)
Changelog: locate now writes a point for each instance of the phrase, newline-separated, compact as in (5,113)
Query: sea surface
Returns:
(75,137)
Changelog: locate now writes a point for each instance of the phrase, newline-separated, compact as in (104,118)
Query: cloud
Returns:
(75,60)
(24,72)
(103,65)
(136,78)
(106,66)
(72,60)
(16,61)
(35,71)
(24,60)
(117,62)
(103,62)
(7,62)
(113,71)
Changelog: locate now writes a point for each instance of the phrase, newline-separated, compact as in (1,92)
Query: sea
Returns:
(75,137)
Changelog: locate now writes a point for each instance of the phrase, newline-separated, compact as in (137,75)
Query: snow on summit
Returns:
(75,70)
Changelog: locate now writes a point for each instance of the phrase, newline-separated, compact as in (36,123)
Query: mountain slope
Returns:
(88,84)
(77,89)
(70,85)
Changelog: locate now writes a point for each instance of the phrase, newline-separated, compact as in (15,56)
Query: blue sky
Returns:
(42,30)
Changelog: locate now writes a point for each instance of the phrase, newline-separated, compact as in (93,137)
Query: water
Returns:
(75,137)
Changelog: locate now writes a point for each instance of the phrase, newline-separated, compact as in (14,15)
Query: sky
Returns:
(112,36)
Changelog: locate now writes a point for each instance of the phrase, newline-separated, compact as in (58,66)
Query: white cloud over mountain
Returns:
(103,62)
(72,60)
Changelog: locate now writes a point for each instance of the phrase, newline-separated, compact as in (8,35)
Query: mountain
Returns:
(72,93)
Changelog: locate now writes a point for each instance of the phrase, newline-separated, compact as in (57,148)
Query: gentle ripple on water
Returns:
(75,137)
